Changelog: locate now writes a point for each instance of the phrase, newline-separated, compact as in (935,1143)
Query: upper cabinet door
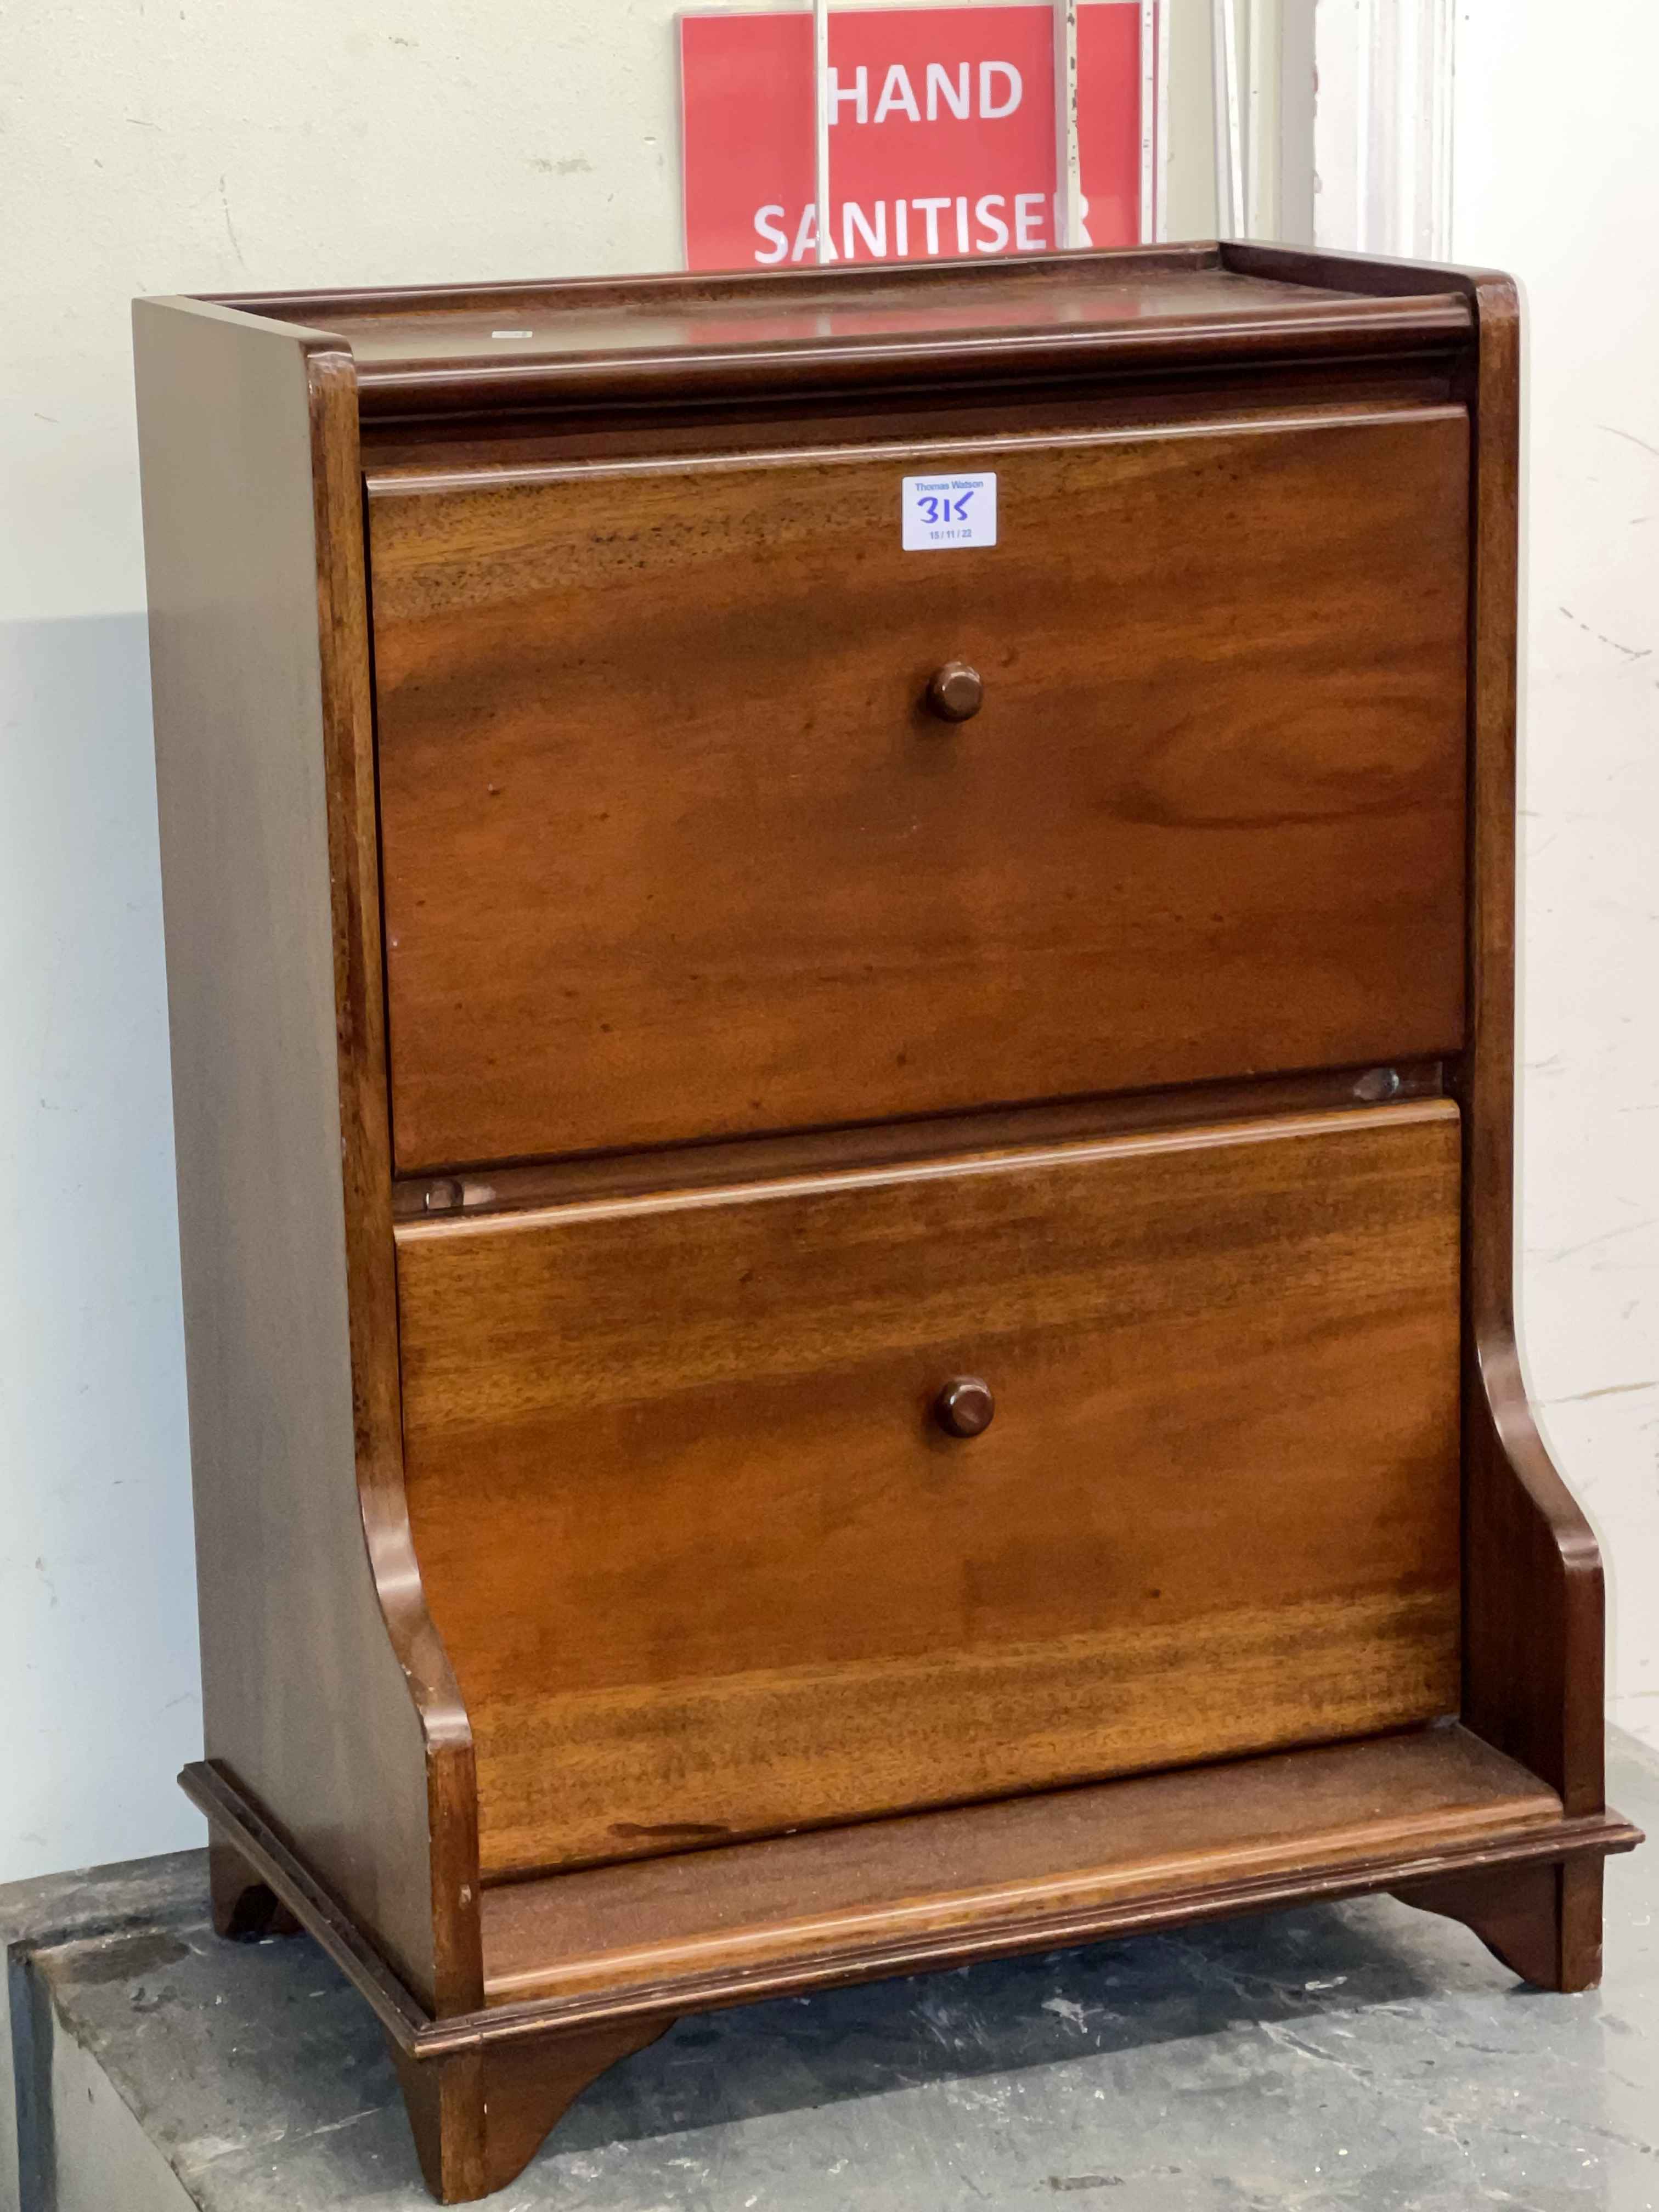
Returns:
(682,840)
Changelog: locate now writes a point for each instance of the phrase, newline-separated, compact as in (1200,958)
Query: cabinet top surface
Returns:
(440,345)
(922,304)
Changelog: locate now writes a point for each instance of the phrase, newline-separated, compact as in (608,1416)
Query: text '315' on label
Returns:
(943,512)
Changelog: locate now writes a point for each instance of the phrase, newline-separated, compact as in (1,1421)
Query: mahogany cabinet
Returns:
(845,1186)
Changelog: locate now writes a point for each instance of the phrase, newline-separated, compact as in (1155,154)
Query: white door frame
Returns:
(1383,126)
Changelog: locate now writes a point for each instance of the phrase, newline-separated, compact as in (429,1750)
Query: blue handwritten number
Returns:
(942,510)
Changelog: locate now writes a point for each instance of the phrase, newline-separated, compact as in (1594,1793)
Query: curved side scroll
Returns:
(1533,1611)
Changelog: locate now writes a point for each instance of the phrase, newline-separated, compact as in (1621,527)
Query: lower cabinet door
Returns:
(746,1510)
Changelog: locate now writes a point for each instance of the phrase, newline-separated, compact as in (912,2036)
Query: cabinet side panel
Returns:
(306,1706)
(1535,1628)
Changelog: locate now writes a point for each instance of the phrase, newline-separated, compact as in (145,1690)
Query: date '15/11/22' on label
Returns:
(943,513)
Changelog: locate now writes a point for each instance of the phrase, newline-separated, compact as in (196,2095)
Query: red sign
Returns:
(942,134)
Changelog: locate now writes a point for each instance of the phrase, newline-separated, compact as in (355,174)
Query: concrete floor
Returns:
(1357,2056)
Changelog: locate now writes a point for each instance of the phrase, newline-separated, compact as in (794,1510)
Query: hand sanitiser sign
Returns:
(941,130)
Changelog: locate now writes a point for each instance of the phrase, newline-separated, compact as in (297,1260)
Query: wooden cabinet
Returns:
(847,1204)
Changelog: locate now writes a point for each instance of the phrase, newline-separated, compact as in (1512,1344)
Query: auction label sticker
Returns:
(943,512)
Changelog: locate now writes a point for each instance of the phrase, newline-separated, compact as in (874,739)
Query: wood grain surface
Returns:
(674,848)
(707,1566)
(430,350)
(1535,1592)
(752,1159)
(1544,1920)
(327,1695)
(1232,392)
(764,1054)
(810,1898)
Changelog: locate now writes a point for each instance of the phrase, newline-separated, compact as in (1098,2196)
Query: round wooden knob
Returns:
(956,692)
(964,1406)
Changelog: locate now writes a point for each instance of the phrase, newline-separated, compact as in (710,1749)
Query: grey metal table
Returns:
(1353,2056)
